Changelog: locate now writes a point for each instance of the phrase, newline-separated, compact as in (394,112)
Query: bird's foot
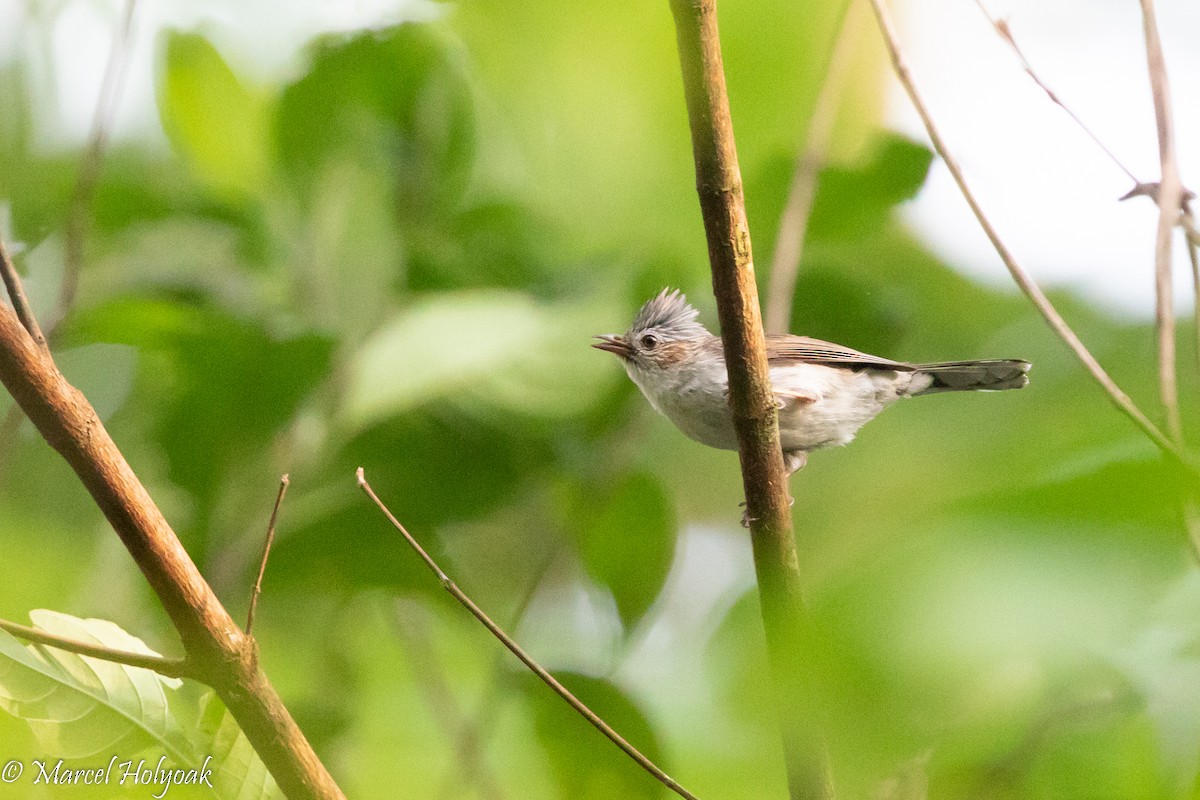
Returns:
(794,461)
(747,519)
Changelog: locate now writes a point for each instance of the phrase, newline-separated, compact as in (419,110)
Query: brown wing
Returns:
(785,348)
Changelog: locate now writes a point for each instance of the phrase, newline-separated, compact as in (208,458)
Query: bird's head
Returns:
(663,334)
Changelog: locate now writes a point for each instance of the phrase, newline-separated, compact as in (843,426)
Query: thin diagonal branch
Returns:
(1053,318)
(1005,32)
(211,639)
(20,303)
(797,209)
(1140,188)
(170,667)
(1170,198)
(506,640)
(79,215)
(751,399)
(262,567)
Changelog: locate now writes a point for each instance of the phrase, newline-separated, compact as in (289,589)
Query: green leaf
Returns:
(500,349)
(626,536)
(1118,486)
(499,244)
(79,706)
(851,201)
(585,765)
(239,773)
(396,100)
(210,362)
(432,467)
(212,120)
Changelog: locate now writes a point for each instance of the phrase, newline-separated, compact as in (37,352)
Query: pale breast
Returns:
(695,399)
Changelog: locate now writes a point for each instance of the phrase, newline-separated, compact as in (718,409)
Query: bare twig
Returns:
(78,218)
(1140,188)
(1005,32)
(221,652)
(170,667)
(1170,198)
(262,567)
(506,640)
(751,400)
(797,209)
(1023,280)
(20,303)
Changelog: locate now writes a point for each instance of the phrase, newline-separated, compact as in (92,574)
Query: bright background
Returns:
(322,241)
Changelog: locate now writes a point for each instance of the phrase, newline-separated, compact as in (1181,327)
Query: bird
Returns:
(824,392)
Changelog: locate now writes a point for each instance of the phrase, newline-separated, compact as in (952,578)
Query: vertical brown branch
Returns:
(1170,197)
(719,184)
(220,651)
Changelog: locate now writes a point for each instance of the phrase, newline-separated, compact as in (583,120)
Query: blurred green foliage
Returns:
(393,258)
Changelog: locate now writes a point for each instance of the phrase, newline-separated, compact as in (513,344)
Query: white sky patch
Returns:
(1051,192)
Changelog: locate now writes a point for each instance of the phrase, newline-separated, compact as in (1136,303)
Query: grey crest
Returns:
(670,315)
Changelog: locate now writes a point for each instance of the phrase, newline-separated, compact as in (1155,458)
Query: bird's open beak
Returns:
(613,343)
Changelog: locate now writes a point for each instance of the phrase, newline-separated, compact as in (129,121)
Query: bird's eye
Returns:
(649,341)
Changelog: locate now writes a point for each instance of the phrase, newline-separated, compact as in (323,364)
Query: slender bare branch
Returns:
(1003,30)
(20,303)
(1140,188)
(506,640)
(79,215)
(212,640)
(262,567)
(751,399)
(797,209)
(170,667)
(1022,278)
(1170,199)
